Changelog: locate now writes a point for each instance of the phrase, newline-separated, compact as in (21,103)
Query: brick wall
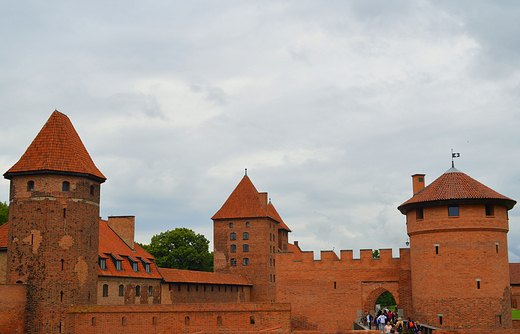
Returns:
(460,267)
(340,287)
(262,245)
(3,266)
(54,246)
(129,294)
(175,293)
(12,307)
(179,318)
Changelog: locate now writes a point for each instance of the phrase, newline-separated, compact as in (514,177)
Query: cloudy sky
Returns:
(331,105)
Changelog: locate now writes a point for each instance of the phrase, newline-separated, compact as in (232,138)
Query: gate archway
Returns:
(370,301)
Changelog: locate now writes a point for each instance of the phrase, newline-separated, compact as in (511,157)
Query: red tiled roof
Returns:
(514,273)
(3,235)
(455,185)
(273,214)
(201,277)
(242,203)
(111,243)
(57,147)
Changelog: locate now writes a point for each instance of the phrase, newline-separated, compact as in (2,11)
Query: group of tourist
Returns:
(389,322)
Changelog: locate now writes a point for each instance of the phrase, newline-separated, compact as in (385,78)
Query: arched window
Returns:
(233,248)
(138,291)
(105,290)
(245,261)
(121,290)
(245,248)
(233,262)
(65,186)
(150,290)
(246,235)
(187,320)
(233,236)
(30,186)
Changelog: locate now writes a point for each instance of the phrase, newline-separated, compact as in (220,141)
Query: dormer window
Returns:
(65,186)
(103,264)
(119,265)
(135,266)
(30,186)
(147,267)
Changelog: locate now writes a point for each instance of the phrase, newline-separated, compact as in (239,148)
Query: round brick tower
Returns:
(458,248)
(54,225)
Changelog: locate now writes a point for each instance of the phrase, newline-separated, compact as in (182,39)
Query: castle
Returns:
(65,270)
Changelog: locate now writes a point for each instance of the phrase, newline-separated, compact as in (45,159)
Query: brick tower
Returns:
(458,247)
(54,225)
(246,239)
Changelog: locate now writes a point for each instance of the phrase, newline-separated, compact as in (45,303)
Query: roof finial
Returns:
(246,172)
(454,155)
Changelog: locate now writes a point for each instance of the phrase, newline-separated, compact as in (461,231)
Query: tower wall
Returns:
(53,246)
(459,266)
(262,233)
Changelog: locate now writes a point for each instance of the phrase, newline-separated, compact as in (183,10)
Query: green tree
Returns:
(4,213)
(375,254)
(386,299)
(181,249)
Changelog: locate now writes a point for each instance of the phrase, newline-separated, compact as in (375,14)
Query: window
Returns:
(230,225)
(150,291)
(103,264)
(138,291)
(135,266)
(121,290)
(30,186)
(233,262)
(440,319)
(245,248)
(453,210)
(187,321)
(154,321)
(252,320)
(119,265)
(233,236)
(62,264)
(247,224)
(233,248)
(105,290)
(496,246)
(490,210)
(334,285)
(245,261)
(65,186)
(478,283)
(246,235)
(123,321)
(147,267)
(419,213)
(93,321)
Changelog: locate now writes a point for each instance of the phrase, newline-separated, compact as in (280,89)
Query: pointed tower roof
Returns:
(273,214)
(242,203)
(56,149)
(455,187)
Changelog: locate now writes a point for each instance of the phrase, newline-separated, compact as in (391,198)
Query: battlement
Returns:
(329,257)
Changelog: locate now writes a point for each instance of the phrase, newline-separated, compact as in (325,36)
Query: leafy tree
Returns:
(4,213)
(375,254)
(386,299)
(181,249)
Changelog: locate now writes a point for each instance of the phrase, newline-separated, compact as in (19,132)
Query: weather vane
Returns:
(454,155)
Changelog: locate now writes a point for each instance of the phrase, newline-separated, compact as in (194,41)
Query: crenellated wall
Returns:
(340,286)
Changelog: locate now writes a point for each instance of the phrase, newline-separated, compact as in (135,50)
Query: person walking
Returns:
(369,318)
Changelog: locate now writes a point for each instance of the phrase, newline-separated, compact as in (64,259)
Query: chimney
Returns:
(263,200)
(417,183)
(296,244)
(124,226)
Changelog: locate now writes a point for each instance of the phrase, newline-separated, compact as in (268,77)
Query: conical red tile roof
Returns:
(455,186)
(273,214)
(242,203)
(56,148)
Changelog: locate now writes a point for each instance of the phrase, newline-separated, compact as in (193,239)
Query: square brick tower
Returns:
(54,225)
(246,238)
